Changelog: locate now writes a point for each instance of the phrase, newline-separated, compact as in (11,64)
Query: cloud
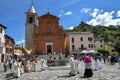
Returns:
(95,12)
(118,13)
(68,13)
(20,42)
(86,10)
(70,28)
(59,15)
(103,18)
(70,3)
(62,13)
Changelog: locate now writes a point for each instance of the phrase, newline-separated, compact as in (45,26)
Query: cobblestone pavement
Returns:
(108,72)
(3,74)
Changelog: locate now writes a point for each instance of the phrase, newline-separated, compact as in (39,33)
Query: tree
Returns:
(117,45)
(82,27)
(108,33)
(103,51)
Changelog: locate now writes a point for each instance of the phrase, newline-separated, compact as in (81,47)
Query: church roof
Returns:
(31,9)
(48,15)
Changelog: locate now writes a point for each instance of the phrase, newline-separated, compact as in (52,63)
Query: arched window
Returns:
(31,20)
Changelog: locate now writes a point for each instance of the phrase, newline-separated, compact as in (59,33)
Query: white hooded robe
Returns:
(72,63)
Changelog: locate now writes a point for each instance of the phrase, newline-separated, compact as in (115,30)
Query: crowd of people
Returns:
(22,65)
(91,63)
(74,62)
(25,64)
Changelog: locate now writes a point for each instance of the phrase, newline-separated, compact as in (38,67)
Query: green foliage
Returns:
(117,45)
(108,33)
(103,51)
(82,27)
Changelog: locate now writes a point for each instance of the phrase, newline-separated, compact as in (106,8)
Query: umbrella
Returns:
(84,51)
(92,51)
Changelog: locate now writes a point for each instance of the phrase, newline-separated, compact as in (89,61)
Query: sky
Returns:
(70,12)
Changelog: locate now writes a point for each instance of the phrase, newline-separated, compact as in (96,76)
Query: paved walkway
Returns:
(3,74)
(108,72)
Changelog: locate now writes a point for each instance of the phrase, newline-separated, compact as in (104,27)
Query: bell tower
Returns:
(31,22)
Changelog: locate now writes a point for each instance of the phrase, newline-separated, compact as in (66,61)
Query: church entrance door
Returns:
(49,49)
(49,46)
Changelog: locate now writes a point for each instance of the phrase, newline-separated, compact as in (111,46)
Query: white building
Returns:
(99,43)
(78,41)
(2,43)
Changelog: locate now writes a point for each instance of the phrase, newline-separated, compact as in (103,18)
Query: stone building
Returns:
(78,41)
(31,22)
(9,44)
(43,33)
(99,43)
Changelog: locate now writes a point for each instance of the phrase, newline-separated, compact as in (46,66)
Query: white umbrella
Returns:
(92,51)
(84,51)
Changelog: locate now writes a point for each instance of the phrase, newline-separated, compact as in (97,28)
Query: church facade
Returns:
(43,33)
(49,36)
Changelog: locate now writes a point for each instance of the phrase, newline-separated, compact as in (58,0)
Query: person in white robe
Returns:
(72,64)
(33,64)
(100,64)
(76,66)
(21,68)
(28,65)
(97,64)
(17,69)
(42,60)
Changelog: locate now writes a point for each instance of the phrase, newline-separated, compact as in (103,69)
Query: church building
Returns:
(43,33)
